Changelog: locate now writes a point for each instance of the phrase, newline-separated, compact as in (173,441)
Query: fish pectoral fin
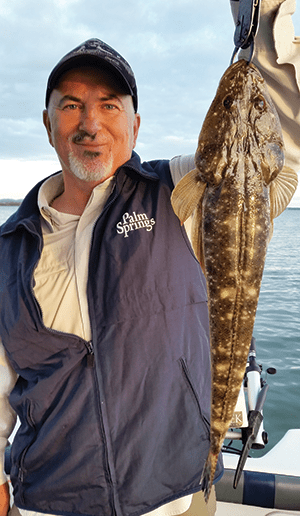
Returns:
(187,194)
(282,189)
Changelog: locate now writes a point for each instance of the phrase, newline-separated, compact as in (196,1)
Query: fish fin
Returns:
(282,189)
(206,481)
(187,194)
(208,474)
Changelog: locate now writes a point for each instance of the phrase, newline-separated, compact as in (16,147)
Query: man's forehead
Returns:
(91,76)
(76,83)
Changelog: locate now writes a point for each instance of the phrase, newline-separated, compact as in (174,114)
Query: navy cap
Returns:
(97,53)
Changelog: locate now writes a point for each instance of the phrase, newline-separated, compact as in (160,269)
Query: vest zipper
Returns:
(106,464)
(21,469)
(90,358)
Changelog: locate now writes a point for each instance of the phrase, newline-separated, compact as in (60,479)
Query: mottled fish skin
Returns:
(236,229)
(240,151)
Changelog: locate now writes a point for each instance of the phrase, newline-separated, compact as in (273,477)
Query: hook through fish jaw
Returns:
(236,49)
(246,26)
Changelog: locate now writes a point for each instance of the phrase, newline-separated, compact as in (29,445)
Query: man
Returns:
(103,315)
(109,330)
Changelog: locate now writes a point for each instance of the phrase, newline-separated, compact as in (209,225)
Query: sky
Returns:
(178,49)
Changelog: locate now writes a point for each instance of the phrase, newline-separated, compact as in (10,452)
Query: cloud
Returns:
(27,135)
(24,174)
(169,45)
(177,48)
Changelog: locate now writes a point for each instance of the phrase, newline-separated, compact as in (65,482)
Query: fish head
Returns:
(264,139)
(241,121)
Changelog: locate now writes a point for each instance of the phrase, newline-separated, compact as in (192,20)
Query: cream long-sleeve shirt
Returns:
(277,55)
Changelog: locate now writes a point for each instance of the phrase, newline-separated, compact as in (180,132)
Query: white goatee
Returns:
(88,171)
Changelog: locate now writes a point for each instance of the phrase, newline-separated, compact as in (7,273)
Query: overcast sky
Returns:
(178,50)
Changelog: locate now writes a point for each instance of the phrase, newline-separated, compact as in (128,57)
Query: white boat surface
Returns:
(269,485)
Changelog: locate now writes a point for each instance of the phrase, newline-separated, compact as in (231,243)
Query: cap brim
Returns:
(84,60)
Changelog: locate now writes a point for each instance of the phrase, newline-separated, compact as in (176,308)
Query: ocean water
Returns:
(277,326)
(5,212)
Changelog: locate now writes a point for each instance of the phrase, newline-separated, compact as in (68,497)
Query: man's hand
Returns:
(4,499)
(266,7)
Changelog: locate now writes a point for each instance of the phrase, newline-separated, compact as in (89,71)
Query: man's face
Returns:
(91,124)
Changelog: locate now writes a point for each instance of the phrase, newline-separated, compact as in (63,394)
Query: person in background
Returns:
(103,315)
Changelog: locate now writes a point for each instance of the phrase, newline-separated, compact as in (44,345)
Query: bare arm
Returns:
(4,499)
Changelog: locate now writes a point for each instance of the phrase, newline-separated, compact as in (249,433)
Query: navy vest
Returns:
(120,425)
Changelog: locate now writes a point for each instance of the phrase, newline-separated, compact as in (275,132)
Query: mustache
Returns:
(81,135)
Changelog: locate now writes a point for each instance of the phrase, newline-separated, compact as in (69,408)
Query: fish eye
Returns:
(259,103)
(227,102)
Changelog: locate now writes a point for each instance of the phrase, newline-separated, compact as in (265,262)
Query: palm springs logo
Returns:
(134,222)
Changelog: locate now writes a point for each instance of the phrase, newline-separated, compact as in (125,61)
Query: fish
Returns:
(239,185)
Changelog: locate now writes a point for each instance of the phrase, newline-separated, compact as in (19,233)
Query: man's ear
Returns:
(136,126)
(46,121)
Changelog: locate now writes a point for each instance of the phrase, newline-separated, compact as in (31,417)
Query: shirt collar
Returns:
(54,186)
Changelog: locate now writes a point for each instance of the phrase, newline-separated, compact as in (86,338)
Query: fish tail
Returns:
(206,481)
(208,474)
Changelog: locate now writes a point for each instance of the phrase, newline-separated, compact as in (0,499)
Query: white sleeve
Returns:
(8,417)
(277,55)
(181,165)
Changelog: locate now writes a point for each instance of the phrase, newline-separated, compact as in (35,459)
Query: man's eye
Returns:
(110,107)
(70,107)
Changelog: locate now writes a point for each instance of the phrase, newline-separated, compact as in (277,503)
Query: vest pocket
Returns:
(21,469)
(190,384)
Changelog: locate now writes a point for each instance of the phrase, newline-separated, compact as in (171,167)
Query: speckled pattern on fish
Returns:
(238,187)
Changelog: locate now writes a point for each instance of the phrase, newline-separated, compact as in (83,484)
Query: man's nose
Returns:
(90,121)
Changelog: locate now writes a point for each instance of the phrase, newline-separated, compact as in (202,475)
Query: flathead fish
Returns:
(237,188)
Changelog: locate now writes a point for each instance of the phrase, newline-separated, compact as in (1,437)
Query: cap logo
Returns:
(95,46)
